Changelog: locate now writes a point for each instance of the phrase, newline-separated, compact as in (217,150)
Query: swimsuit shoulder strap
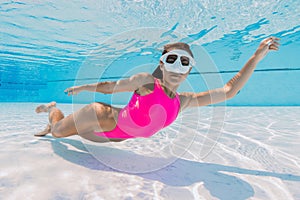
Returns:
(157,86)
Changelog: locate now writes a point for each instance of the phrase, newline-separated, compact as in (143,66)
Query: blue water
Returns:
(47,46)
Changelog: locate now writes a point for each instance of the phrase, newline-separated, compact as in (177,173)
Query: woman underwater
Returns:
(155,103)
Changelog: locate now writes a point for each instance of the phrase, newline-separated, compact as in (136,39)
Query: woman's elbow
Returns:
(230,92)
(106,87)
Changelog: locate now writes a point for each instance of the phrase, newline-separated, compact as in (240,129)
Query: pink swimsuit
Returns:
(145,115)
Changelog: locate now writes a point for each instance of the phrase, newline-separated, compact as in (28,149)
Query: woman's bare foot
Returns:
(45,107)
(44,132)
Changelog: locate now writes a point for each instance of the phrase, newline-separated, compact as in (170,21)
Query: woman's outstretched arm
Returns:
(109,87)
(234,85)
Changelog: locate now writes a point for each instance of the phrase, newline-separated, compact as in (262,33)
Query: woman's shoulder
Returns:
(141,79)
(147,84)
(144,77)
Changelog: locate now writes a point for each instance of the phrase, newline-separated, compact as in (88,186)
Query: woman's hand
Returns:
(73,90)
(265,46)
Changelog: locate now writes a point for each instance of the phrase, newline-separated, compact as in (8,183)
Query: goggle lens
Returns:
(185,61)
(171,59)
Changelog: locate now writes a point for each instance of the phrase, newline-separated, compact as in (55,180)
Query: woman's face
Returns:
(176,65)
(173,77)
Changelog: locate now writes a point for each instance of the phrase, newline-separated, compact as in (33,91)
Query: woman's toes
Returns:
(52,104)
(45,108)
(41,108)
(44,132)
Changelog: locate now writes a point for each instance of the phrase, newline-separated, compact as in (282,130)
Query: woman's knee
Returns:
(100,110)
(57,135)
(58,131)
(97,107)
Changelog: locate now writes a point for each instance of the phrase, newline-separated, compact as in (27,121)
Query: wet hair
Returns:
(177,45)
(167,48)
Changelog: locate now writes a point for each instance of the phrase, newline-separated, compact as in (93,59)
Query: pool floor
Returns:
(209,153)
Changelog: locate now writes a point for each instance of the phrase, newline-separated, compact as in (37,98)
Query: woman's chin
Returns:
(175,78)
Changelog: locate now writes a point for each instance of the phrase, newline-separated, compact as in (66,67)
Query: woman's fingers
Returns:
(272,38)
(70,91)
(272,43)
(273,47)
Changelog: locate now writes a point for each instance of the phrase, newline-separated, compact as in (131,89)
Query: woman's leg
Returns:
(54,116)
(95,116)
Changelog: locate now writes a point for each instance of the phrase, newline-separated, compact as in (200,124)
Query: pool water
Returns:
(49,46)
(244,148)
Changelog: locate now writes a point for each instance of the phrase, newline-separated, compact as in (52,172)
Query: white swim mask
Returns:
(177,61)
